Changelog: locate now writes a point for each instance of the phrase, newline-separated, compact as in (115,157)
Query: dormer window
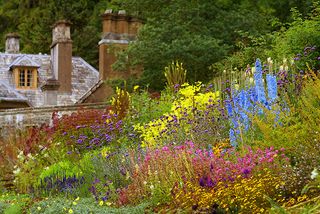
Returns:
(25,72)
(25,78)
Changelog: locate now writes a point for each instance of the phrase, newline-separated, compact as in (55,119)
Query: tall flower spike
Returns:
(259,83)
(272,87)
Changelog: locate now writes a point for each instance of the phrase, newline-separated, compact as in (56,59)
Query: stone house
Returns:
(59,79)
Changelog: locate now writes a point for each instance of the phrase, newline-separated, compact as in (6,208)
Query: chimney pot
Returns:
(12,43)
(61,32)
(122,12)
(108,11)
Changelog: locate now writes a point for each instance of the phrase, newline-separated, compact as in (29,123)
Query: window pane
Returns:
(29,77)
(21,78)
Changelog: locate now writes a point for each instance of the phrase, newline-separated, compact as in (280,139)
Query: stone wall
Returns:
(29,117)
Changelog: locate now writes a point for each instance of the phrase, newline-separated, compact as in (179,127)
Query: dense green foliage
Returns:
(199,34)
(33,19)
(202,33)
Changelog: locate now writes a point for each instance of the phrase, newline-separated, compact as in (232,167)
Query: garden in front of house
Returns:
(246,143)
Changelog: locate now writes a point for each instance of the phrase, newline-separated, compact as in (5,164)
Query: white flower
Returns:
(285,60)
(269,59)
(236,86)
(314,174)
(16,171)
(291,61)
(30,156)
(20,155)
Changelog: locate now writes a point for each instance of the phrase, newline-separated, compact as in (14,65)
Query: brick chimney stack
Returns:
(12,43)
(61,54)
(118,30)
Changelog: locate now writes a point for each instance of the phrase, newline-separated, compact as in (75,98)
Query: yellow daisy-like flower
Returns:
(70,211)
(77,199)
(135,87)
(39,208)
(101,203)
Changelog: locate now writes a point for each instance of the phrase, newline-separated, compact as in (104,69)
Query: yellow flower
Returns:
(108,203)
(74,203)
(39,208)
(101,203)
(77,199)
(135,87)
(70,211)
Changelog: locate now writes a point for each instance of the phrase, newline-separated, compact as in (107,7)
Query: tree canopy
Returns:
(198,33)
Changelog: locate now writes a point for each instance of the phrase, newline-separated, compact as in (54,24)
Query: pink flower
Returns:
(165,148)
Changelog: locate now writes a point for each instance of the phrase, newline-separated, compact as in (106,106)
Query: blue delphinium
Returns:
(272,87)
(249,101)
(259,86)
(233,138)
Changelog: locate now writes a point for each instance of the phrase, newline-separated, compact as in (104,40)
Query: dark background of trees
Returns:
(199,33)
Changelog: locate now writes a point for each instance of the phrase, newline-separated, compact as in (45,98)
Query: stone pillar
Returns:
(50,90)
(12,43)
(61,54)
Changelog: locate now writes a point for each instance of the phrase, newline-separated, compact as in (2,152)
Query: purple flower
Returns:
(246,171)
(202,182)
(108,137)
(209,182)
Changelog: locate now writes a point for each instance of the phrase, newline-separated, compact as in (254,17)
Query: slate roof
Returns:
(84,77)
(24,60)
(7,93)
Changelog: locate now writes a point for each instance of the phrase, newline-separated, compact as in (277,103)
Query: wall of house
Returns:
(29,117)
